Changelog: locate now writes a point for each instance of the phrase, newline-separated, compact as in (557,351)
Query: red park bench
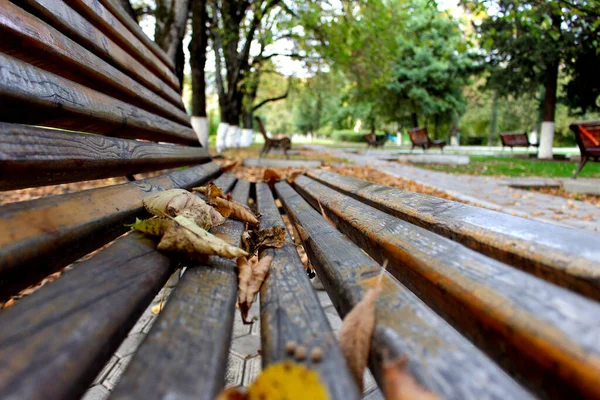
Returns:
(420,138)
(516,139)
(484,305)
(587,135)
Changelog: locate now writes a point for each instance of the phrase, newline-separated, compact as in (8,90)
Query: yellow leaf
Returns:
(398,384)
(287,381)
(187,237)
(153,226)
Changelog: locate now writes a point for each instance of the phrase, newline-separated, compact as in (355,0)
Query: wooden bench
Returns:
(524,293)
(516,139)
(375,141)
(587,135)
(420,138)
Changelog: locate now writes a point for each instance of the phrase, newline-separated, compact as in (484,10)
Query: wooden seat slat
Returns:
(290,310)
(33,156)
(29,39)
(40,236)
(486,300)
(122,15)
(190,340)
(566,257)
(68,21)
(104,20)
(404,325)
(33,96)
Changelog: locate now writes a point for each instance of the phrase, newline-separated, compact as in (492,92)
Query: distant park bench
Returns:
(375,140)
(483,305)
(420,138)
(516,139)
(587,135)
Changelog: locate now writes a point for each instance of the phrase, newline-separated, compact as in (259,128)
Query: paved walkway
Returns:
(489,192)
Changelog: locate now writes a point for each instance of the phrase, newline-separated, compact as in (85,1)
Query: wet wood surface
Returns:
(103,19)
(33,96)
(135,28)
(566,257)
(544,335)
(404,325)
(60,337)
(290,311)
(40,236)
(29,39)
(68,21)
(39,157)
(185,354)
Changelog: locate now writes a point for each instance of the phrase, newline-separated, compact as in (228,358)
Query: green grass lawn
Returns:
(517,167)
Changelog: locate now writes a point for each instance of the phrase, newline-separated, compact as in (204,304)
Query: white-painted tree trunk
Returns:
(247,137)
(232,140)
(221,135)
(454,141)
(546,140)
(200,125)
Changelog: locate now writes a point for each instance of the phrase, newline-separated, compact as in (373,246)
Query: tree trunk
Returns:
(171,20)
(127,7)
(197,48)
(550,85)
(415,119)
(493,120)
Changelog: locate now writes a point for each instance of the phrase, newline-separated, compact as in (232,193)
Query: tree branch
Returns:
(271,99)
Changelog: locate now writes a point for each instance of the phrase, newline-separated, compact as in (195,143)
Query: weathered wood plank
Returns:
(290,310)
(38,157)
(29,39)
(104,20)
(134,27)
(57,339)
(38,237)
(190,340)
(404,325)
(73,25)
(502,310)
(37,97)
(566,257)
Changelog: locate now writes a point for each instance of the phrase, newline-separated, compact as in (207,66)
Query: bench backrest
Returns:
(419,135)
(587,135)
(514,139)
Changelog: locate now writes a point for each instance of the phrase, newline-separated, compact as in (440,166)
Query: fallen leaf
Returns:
(251,283)
(211,191)
(355,334)
(236,210)
(176,202)
(233,393)
(157,308)
(156,226)
(398,384)
(229,165)
(9,303)
(185,236)
(271,177)
(291,178)
(254,240)
(287,381)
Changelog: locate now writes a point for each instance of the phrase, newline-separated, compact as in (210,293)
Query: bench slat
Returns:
(33,96)
(404,325)
(29,39)
(60,337)
(107,22)
(566,257)
(38,157)
(290,310)
(73,25)
(190,340)
(40,236)
(488,301)
(134,27)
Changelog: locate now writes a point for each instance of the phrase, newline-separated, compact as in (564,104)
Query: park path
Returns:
(484,191)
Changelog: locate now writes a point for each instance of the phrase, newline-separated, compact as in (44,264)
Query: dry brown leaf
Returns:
(176,202)
(211,191)
(183,235)
(291,178)
(254,240)
(398,384)
(251,283)
(355,334)
(271,177)
(233,393)
(9,303)
(236,210)
(229,165)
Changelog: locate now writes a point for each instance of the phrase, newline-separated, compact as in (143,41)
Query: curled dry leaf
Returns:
(355,334)
(271,177)
(176,202)
(250,279)
(398,384)
(236,210)
(183,235)
(230,165)
(292,176)
(269,237)
(211,191)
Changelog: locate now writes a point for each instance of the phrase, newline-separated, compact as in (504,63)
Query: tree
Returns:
(198,47)
(529,40)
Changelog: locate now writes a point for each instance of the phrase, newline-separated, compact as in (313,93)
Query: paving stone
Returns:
(434,159)
(102,375)
(374,395)
(144,320)
(324,298)
(97,392)
(255,327)
(334,319)
(115,374)
(130,344)
(582,186)
(251,370)
(369,383)
(278,163)
(246,346)
(234,372)
(239,328)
